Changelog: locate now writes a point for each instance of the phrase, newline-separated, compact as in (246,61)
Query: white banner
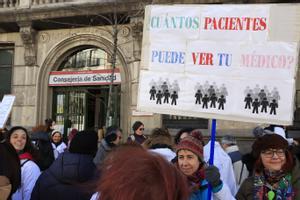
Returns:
(93,77)
(5,108)
(209,96)
(228,69)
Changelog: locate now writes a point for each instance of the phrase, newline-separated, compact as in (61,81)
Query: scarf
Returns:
(196,179)
(57,143)
(25,155)
(272,186)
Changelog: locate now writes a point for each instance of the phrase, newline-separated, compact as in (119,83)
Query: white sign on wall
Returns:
(77,78)
(220,61)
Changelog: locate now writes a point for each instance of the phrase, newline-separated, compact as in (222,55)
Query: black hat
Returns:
(268,141)
(84,142)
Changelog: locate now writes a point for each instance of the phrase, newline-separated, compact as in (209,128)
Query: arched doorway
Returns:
(80,96)
(58,59)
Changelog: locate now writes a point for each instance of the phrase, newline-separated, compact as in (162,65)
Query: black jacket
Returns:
(44,147)
(66,178)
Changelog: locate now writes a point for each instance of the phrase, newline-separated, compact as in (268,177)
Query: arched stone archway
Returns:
(56,56)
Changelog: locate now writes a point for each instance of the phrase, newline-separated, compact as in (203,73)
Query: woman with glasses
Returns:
(276,172)
(138,133)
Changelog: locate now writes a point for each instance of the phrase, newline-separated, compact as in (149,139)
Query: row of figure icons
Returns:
(210,95)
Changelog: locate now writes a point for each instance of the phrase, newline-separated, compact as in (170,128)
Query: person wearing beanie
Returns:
(111,139)
(191,163)
(57,144)
(230,146)
(160,142)
(72,169)
(138,133)
(276,172)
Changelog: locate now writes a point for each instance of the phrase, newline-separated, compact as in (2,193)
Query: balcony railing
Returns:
(29,3)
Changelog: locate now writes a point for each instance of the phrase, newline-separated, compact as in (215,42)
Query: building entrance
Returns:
(84,107)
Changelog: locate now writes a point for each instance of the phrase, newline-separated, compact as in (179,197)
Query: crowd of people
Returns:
(42,166)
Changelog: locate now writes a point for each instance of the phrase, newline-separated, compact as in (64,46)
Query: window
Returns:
(91,57)
(6,62)
(179,122)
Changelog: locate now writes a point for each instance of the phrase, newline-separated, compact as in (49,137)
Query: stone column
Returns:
(137,33)
(28,35)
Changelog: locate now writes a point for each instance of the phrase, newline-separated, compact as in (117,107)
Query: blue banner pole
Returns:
(212,150)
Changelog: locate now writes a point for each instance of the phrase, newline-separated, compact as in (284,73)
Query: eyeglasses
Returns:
(270,153)
(141,129)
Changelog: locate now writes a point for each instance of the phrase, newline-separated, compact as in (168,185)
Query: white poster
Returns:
(230,69)
(5,108)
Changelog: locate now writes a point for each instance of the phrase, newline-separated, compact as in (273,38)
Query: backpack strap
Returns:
(24,162)
(241,173)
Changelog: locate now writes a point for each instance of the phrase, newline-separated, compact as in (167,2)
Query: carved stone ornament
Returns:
(28,37)
(137,29)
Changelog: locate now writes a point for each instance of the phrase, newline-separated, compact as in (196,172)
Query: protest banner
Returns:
(5,108)
(228,62)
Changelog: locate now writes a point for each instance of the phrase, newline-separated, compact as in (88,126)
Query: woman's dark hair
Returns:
(111,134)
(28,145)
(10,165)
(181,131)
(136,125)
(139,174)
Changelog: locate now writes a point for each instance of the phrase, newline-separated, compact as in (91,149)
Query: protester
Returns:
(70,171)
(248,158)
(19,138)
(191,163)
(138,133)
(230,146)
(10,171)
(133,173)
(182,133)
(71,135)
(41,136)
(111,139)
(276,172)
(160,141)
(223,162)
(57,143)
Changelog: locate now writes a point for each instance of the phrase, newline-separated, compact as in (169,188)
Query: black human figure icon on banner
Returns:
(174,97)
(263,99)
(152,93)
(210,94)
(221,102)
(161,91)
(198,96)
(273,106)
(248,100)
(166,96)
(159,96)
(255,105)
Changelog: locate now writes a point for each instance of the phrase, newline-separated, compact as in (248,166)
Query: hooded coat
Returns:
(65,178)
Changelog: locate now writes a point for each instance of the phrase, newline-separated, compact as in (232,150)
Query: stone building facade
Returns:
(42,35)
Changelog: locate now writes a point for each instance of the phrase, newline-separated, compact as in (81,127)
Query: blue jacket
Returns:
(65,178)
(220,192)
